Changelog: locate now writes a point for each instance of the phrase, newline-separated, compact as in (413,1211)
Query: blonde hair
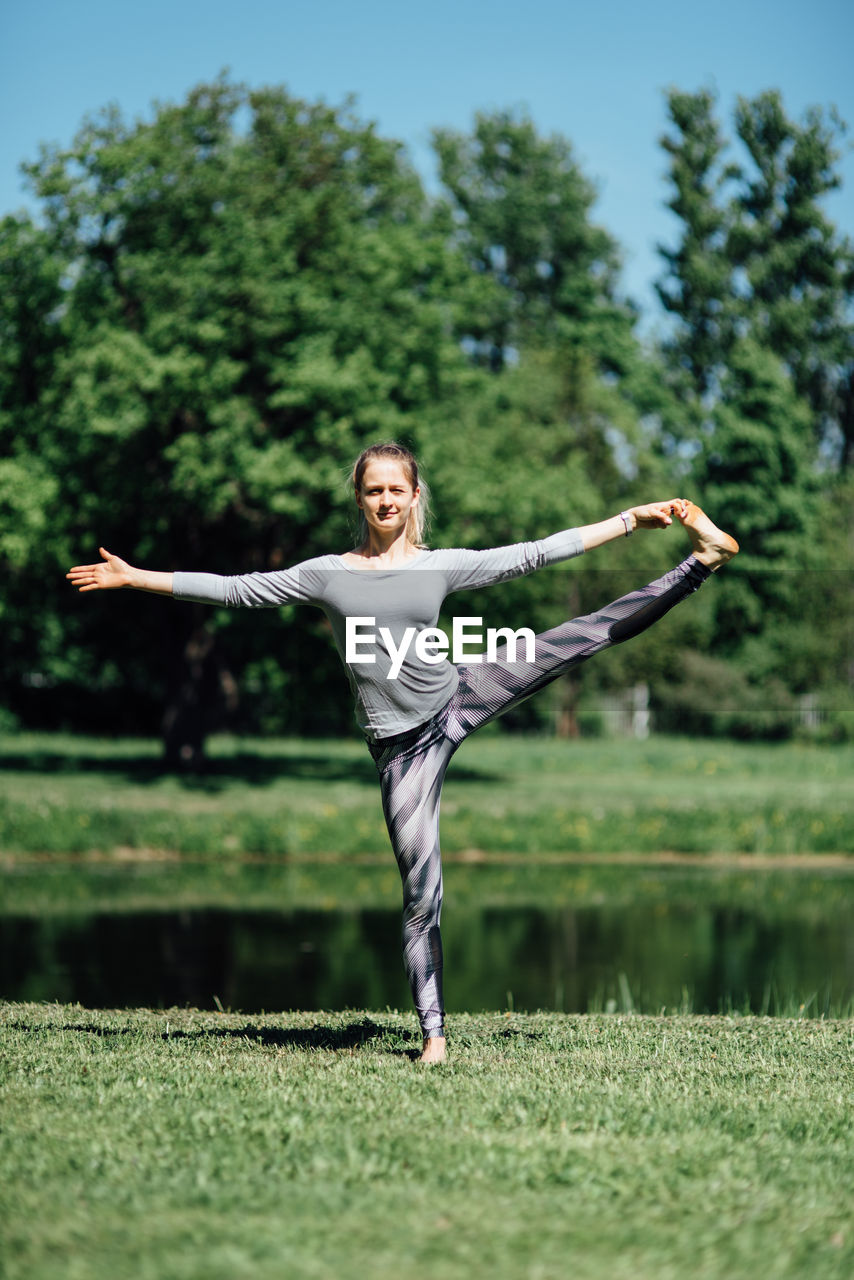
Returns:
(419,515)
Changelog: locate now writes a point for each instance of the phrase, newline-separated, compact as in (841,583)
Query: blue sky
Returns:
(593,71)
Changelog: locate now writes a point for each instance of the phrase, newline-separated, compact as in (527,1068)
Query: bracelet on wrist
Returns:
(626,518)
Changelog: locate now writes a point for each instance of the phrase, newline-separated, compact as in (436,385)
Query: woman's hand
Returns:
(110,573)
(655,515)
(658,515)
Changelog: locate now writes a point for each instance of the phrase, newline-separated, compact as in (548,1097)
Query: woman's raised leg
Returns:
(487,689)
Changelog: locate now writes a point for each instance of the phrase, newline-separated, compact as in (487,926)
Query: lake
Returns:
(649,957)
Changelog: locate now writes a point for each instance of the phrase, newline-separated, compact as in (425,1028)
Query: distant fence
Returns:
(627,714)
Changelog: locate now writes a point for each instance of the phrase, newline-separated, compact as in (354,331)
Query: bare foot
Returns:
(712,547)
(434,1050)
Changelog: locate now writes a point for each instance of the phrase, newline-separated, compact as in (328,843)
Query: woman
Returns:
(413,705)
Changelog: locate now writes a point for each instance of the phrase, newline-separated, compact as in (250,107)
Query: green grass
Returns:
(523,796)
(180,1144)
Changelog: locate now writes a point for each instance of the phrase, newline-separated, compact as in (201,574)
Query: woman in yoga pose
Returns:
(413,706)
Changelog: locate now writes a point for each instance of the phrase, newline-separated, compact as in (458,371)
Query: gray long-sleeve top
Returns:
(394,690)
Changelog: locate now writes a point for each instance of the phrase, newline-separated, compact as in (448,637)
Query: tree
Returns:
(774,625)
(762,358)
(521,208)
(759,479)
(759,257)
(30,294)
(698,286)
(798,271)
(222,315)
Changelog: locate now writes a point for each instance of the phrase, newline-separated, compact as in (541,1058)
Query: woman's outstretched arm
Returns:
(655,515)
(111,572)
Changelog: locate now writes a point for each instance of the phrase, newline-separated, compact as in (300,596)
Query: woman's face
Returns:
(386,496)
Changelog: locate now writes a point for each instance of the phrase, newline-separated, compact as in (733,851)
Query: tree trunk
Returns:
(566,721)
(202,684)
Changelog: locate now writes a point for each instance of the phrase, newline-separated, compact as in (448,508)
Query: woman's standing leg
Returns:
(412,769)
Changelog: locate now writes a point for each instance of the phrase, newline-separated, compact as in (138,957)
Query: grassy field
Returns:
(178,1144)
(532,796)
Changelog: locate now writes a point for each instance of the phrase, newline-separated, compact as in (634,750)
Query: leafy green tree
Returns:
(778,623)
(30,294)
(227,314)
(571,383)
(31,344)
(761,356)
(521,209)
(759,480)
(758,256)
(799,272)
(698,286)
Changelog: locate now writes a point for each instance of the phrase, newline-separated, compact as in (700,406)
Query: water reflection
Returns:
(546,959)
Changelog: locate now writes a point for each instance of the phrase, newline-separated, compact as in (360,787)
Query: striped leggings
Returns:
(412,765)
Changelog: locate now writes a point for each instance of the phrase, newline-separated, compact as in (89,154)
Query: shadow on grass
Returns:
(399,1040)
(217,774)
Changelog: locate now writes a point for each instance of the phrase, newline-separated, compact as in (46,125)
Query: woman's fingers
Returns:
(658,515)
(94,577)
(83,580)
(672,506)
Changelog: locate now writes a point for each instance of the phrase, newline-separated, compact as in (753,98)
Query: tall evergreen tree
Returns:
(698,287)
(758,256)
(798,271)
(758,478)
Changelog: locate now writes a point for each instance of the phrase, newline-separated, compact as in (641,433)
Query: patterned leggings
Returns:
(412,765)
